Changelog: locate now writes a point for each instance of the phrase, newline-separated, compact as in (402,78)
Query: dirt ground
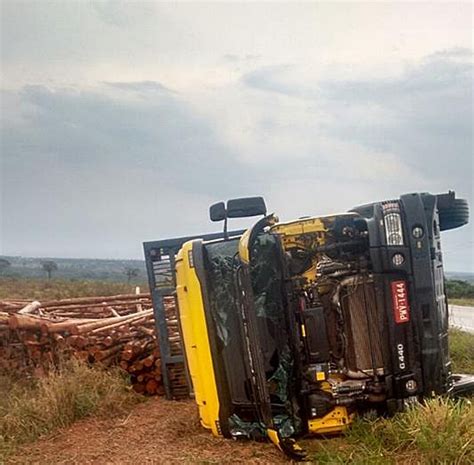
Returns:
(155,432)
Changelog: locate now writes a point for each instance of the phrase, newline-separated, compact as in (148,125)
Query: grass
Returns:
(30,409)
(438,432)
(465,302)
(52,289)
(461,345)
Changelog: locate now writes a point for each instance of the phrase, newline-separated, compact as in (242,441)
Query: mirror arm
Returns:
(226,235)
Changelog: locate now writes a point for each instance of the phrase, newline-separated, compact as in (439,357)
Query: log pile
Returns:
(113,331)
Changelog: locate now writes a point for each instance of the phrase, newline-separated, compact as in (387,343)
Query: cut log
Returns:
(151,386)
(30,308)
(132,319)
(113,331)
(83,328)
(87,300)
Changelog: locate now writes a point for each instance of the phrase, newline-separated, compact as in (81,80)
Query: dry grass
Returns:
(45,289)
(156,432)
(31,409)
(465,302)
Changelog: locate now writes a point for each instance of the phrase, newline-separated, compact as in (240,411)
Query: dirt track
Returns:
(155,432)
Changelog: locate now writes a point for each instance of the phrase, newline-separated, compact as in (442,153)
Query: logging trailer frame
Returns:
(160,265)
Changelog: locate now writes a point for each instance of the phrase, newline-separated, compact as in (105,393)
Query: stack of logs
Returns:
(113,330)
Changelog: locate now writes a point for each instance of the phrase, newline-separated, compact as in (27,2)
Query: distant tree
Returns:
(4,264)
(458,289)
(49,266)
(131,273)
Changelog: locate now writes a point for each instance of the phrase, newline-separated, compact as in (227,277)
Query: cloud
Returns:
(234,58)
(136,160)
(144,87)
(423,115)
(116,163)
(454,52)
(231,57)
(275,78)
(159,132)
(112,12)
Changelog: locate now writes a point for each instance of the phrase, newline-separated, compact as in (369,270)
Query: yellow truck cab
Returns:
(293,328)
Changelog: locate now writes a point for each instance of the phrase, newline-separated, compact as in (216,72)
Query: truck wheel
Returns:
(366,211)
(453,216)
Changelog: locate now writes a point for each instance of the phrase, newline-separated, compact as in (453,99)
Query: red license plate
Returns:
(401,307)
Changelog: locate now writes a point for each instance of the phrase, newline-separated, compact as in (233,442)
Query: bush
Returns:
(457,289)
(31,409)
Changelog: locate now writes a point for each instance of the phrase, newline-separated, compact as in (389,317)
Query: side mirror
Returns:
(248,206)
(217,212)
(237,208)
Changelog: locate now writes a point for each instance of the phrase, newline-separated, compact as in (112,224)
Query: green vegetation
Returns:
(73,268)
(51,289)
(49,266)
(4,265)
(30,409)
(131,273)
(457,289)
(438,432)
(461,345)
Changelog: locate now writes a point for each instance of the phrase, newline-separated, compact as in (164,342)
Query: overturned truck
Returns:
(294,328)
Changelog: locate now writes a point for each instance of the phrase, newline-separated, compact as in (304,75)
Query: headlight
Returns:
(393,223)
(398,259)
(411,386)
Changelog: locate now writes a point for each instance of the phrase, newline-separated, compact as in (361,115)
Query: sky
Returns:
(121,122)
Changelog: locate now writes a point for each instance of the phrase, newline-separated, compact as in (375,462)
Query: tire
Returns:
(453,216)
(366,211)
